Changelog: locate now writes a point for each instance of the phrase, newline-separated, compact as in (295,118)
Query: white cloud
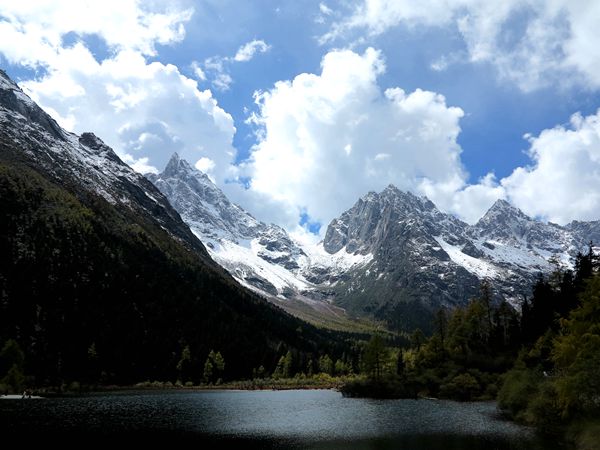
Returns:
(326,10)
(325,140)
(205,165)
(141,165)
(40,26)
(200,75)
(563,182)
(533,43)
(217,67)
(469,202)
(246,52)
(145,111)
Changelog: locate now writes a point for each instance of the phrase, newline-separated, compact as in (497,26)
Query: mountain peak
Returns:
(502,208)
(6,82)
(501,204)
(177,165)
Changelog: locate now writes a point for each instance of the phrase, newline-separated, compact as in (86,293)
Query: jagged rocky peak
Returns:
(501,208)
(202,204)
(176,166)
(356,226)
(502,220)
(374,216)
(91,140)
(407,200)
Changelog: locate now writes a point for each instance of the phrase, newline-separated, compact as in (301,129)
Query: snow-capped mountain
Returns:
(393,256)
(423,257)
(261,256)
(83,162)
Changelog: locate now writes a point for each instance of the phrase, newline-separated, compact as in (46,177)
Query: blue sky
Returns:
(145,78)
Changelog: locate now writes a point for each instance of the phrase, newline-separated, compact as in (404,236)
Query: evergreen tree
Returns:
(279,368)
(441,323)
(417,339)
(208,370)
(485,296)
(93,363)
(12,361)
(326,364)
(375,357)
(183,366)
(260,372)
(400,365)
(214,367)
(288,362)
(219,365)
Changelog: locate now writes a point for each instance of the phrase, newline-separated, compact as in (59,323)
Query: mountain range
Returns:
(393,256)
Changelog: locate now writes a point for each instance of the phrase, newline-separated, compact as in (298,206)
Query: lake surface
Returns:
(316,419)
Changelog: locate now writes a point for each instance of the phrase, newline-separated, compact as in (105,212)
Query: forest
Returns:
(91,293)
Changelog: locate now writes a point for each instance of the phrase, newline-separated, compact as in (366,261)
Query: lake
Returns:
(319,419)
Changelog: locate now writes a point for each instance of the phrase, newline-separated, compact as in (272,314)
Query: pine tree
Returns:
(326,365)
(375,357)
(400,365)
(441,324)
(13,360)
(184,363)
(208,370)
(287,365)
(278,373)
(417,339)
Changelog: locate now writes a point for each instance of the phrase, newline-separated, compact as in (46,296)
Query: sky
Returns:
(298,108)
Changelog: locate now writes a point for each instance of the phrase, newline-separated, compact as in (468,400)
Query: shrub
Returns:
(519,387)
(462,387)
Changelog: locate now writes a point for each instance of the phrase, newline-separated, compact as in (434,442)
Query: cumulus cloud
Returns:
(145,111)
(533,43)
(327,139)
(563,183)
(39,27)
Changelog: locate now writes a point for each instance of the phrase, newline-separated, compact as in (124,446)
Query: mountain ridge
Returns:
(393,249)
